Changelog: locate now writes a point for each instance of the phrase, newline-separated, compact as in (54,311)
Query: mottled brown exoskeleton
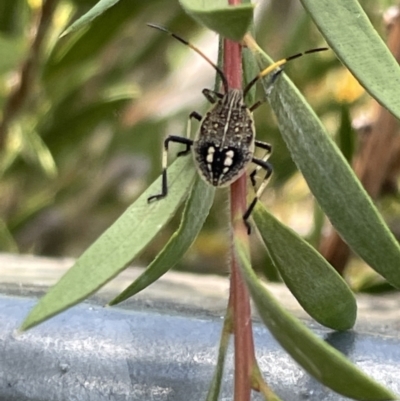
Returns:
(225,141)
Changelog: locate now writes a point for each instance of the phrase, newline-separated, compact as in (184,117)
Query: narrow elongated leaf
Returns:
(331,180)
(94,12)
(318,358)
(215,385)
(197,208)
(7,242)
(122,242)
(333,183)
(312,280)
(40,154)
(359,47)
(231,22)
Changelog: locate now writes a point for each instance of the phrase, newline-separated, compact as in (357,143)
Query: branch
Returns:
(239,296)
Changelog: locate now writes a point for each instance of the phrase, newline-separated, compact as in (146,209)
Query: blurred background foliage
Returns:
(83,118)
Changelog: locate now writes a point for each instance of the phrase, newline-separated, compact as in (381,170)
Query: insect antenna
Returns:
(278,64)
(198,51)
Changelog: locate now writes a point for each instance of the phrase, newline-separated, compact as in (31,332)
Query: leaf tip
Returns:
(27,324)
(64,33)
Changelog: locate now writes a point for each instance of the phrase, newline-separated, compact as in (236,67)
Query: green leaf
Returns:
(196,211)
(232,22)
(38,152)
(346,136)
(312,280)
(7,242)
(12,52)
(71,56)
(94,12)
(318,358)
(116,248)
(332,181)
(13,17)
(334,184)
(215,385)
(349,32)
(67,126)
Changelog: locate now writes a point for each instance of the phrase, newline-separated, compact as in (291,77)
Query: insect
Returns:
(225,142)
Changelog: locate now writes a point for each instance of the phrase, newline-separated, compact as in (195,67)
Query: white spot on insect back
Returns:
(229,158)
(210,154)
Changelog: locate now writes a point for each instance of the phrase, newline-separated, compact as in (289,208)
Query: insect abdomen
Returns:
(224,144)
(219,167)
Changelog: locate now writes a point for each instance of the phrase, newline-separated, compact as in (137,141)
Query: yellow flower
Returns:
(347,89)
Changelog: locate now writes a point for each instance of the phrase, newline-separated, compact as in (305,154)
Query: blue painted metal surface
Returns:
(90,353)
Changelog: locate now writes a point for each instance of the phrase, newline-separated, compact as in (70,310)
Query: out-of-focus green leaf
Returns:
(10,155)
(7,242)
(12,51)
(371,283)
(358,45)
(196,211)
(94,12)
(65,130)
(331,180)
(39,153)
(13,14)
(312,280)
(231,22)
(32,205)
(83,46)
(116,247)
(318,358)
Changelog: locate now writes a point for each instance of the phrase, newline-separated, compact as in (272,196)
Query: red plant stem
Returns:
(239,296)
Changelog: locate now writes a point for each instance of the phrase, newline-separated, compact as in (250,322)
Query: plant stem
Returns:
(243,337)
(239,296)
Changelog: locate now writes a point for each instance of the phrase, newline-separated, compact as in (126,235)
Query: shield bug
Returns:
(225,140)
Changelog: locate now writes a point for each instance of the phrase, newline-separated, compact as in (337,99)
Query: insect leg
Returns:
(196,115)
(212,96)
(261,163)
(268,149)
(164,186)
